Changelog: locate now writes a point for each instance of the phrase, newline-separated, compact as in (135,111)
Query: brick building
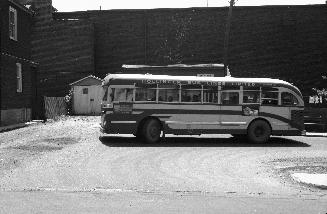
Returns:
(16,67)
(285,42)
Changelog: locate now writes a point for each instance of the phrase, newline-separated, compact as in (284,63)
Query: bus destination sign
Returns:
(205,83)
(123,107)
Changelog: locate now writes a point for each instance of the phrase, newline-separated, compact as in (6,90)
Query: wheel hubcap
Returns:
(154,132)
(259,132)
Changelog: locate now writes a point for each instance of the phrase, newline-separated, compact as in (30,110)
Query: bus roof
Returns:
(175,66)
(184,79)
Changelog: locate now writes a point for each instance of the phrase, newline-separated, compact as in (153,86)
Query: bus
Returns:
(150,106)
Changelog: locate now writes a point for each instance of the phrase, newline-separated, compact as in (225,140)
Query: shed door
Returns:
(87,99)
(95,99)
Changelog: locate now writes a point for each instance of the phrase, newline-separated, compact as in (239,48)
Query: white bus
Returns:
(150,106)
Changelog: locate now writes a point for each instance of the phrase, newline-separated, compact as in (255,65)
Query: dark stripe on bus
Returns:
(150,112)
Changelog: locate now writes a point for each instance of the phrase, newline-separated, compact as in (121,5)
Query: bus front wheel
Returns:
(259,131)
(151,131)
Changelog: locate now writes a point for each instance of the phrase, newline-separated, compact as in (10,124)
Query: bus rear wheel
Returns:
(151,131)
(259,131)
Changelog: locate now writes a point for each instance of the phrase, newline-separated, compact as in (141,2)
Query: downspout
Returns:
(227,32)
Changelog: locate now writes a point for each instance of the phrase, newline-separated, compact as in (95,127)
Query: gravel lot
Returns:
(68,155)
(21,146)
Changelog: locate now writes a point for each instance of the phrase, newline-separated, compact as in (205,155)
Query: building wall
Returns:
(15,107)
(285,42)
(64,49)
(65,53)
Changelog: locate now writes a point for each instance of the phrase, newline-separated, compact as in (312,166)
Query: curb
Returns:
(315,134)
(316,180)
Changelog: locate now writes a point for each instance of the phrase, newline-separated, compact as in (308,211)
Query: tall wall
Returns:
(286,42)
(158,37)
(64,49)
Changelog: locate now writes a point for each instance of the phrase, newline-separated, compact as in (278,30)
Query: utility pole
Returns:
(226,42)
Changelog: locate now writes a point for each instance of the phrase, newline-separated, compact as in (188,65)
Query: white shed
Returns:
(87,94)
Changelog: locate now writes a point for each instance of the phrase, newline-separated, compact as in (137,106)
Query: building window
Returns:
(19,77)
(12,23)
(85,90)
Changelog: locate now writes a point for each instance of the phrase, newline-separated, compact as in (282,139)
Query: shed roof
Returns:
(89,80)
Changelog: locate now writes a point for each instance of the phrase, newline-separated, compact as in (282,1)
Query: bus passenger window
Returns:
(169,94)
(251,97)
(145,94)
(289,99)
(191,94)
(230,98)
(269,98)
(210,94)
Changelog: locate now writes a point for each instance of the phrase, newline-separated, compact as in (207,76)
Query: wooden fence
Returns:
(54,107)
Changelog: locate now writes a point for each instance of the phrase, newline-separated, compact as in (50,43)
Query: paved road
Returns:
(65,167)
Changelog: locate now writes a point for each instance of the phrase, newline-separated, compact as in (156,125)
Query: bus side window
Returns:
(251,97)
(289,99)
(168,93)
(269,98)
(191,93)
(145,94)
(229,98)
(210,94)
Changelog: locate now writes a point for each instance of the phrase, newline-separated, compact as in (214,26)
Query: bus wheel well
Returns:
(260,118)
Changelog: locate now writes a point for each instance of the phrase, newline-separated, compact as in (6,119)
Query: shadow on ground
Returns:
(114,141)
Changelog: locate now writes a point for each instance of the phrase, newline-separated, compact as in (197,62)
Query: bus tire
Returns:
(259,131)
(151,130)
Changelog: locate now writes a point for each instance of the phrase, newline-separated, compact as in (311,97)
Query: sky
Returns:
(81,5)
